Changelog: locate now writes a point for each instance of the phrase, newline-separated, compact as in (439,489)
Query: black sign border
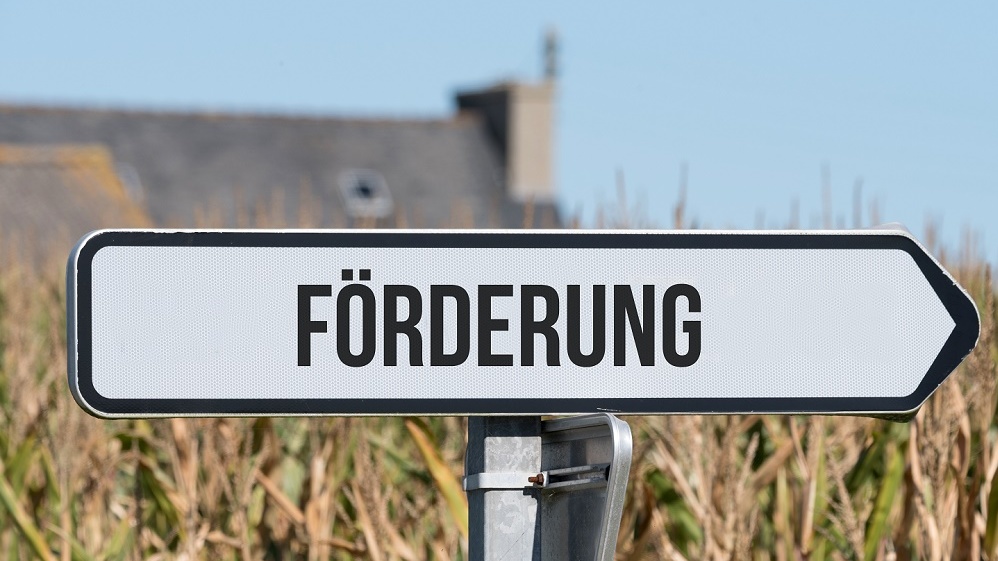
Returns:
(959,344)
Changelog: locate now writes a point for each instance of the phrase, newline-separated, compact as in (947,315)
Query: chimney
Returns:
(520,118)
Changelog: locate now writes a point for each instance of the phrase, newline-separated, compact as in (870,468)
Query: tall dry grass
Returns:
(750,487)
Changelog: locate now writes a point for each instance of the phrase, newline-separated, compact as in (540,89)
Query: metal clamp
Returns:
(573,478)
(504,480)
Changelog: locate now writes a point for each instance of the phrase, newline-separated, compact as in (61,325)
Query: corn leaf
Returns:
(21,519)
(446,481)
(876,526)
(991,527)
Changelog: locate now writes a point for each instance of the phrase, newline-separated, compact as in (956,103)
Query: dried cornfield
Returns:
(748,487)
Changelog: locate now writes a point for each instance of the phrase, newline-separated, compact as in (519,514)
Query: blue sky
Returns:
(756,97)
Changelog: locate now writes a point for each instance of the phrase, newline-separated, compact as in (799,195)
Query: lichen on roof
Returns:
(51,195)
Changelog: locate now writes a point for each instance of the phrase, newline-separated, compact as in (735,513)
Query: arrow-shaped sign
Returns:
(504,322)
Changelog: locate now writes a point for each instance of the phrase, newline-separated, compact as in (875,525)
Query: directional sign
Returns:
(505,323)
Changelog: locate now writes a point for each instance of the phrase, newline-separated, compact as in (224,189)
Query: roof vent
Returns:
(365,193)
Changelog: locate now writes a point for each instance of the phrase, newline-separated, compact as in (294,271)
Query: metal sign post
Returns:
(553,490)
(502,454)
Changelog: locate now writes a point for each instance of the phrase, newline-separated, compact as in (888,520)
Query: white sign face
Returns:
(478,323)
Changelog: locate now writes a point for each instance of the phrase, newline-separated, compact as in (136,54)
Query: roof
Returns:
(203,169)
(50,196)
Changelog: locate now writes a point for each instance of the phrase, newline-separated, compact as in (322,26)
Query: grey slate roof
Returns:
(235,170)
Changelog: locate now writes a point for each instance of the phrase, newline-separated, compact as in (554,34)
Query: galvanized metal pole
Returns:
(503,519)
